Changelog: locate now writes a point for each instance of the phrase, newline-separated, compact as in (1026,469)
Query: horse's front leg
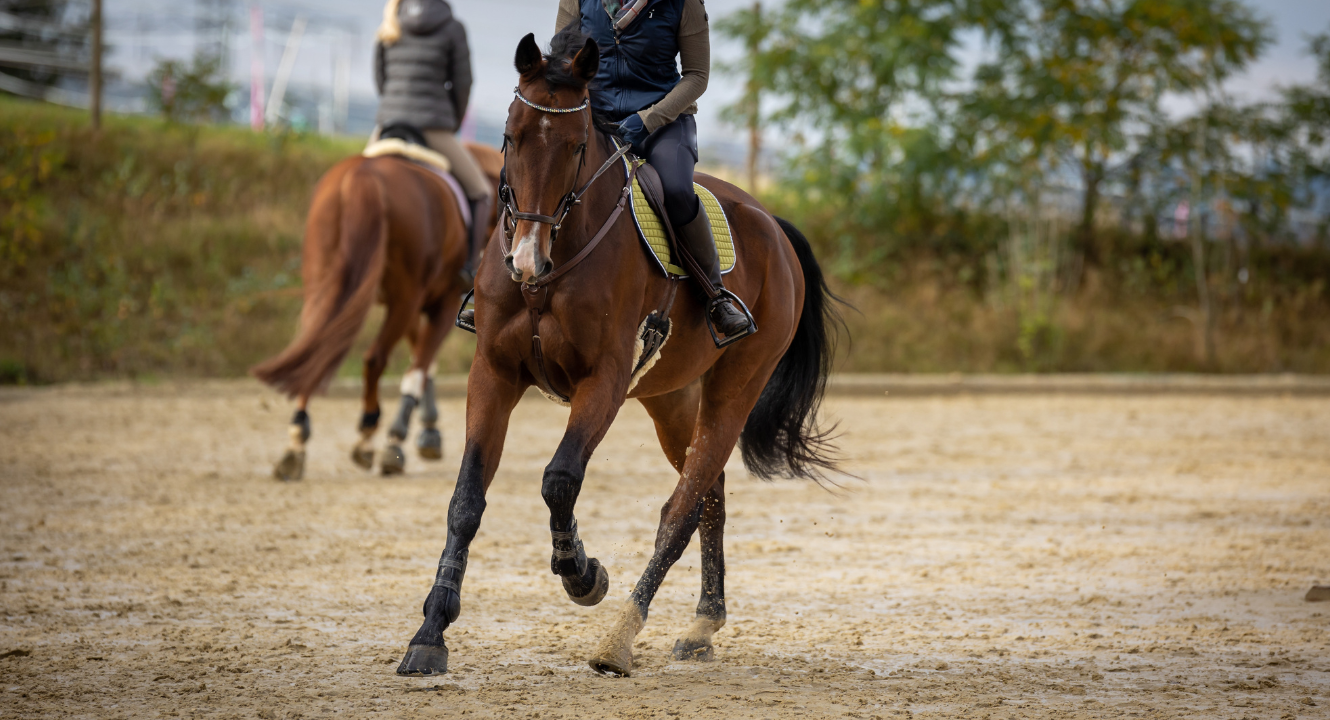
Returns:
(490,400)
(594,406)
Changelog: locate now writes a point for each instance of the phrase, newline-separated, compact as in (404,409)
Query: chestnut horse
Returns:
(764,390)
(379,228)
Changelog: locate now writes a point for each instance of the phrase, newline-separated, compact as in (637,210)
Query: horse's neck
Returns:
(597,203)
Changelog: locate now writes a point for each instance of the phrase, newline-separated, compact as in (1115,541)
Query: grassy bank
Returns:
(149,249)
(155,250)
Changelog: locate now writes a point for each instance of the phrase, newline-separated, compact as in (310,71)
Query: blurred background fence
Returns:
(996,185)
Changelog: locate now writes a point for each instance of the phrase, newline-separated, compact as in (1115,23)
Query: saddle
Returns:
(648,209)
(406,141)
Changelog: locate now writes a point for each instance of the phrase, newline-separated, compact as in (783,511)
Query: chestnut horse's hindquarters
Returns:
(346,237)
(781,436)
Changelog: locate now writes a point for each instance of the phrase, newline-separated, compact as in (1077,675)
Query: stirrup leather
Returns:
(459,322)
(722,295)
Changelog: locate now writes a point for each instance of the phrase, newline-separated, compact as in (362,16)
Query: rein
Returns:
(536,292)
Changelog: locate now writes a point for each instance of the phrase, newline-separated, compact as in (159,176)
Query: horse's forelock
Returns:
(558,73)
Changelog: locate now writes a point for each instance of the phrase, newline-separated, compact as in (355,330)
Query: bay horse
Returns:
(387,229)
(586,308)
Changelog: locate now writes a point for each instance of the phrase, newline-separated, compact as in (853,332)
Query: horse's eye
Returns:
(507,141)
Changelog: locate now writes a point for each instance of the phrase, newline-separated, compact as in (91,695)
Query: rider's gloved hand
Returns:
(634,132)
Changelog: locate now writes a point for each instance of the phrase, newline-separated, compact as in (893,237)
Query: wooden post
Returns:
(95,72)
(753,102)
(1198,251)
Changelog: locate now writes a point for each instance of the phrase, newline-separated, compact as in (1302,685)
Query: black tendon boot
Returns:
(697,236)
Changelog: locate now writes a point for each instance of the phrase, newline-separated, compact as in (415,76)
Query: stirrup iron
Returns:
(721,295)
(469,326)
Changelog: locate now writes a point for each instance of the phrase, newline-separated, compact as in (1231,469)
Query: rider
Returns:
(640,88)
(422,67)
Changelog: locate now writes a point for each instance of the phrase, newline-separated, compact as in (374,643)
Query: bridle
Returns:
(512,214)
(536,292)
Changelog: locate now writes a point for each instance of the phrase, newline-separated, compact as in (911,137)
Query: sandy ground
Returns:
(1002,557)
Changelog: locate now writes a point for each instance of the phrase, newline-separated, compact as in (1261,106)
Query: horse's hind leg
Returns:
(726,400)
(292,464)
(438,322)
(696,642)
(675,416)
(397,322)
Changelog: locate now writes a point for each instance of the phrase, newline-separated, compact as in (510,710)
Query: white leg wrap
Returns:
(413,384)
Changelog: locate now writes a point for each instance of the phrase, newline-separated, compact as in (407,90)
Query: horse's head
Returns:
(545,142)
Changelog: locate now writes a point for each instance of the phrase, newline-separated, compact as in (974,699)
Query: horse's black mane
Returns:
(558,62)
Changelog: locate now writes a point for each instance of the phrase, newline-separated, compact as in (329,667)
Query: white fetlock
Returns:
(614,654)
(696,643)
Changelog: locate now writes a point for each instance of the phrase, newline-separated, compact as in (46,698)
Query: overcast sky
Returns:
(143,29)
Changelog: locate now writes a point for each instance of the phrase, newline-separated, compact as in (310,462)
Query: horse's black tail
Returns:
(782,436)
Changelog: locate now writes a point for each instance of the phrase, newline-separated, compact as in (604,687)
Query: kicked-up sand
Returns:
(1027,556)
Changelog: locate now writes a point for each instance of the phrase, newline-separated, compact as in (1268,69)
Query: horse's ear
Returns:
(587,62)
(528,57)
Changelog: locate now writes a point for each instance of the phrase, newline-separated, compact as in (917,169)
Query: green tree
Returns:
(864,90)
(1079,84)
(194,92)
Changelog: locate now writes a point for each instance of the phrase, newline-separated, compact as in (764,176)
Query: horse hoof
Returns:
(694,650)
(599,587)
(291,467)
(364,457)
(424,661)
(394,460)
(430,444)
(615,664)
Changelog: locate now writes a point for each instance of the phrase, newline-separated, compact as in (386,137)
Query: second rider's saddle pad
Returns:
(652,230)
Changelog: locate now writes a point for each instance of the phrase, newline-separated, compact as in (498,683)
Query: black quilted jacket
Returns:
(425,77)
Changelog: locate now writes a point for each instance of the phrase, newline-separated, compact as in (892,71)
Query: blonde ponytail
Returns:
(391,30)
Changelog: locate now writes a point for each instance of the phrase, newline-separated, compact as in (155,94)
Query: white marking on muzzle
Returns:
(524,255)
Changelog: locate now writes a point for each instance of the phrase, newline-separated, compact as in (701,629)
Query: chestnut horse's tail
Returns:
(350,228)
(781,436)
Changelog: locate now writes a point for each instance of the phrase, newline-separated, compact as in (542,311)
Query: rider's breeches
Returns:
(672,151)
(464,167)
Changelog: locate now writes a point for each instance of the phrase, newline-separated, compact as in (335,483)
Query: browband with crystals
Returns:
(518,93)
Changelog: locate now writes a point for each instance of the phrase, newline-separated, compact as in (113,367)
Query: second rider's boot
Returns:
(480,215)
(696,235)
(477,236)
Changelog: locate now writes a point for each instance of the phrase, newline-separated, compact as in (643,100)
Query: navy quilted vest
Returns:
(638,67)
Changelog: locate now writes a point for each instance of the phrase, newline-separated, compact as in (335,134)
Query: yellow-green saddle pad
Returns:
(652,231)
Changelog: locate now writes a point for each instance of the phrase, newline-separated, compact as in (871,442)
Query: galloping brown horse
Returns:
(586,302)
(387,229)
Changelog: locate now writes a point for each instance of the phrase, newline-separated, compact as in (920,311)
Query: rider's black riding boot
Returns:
(696,235)
(480,215)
